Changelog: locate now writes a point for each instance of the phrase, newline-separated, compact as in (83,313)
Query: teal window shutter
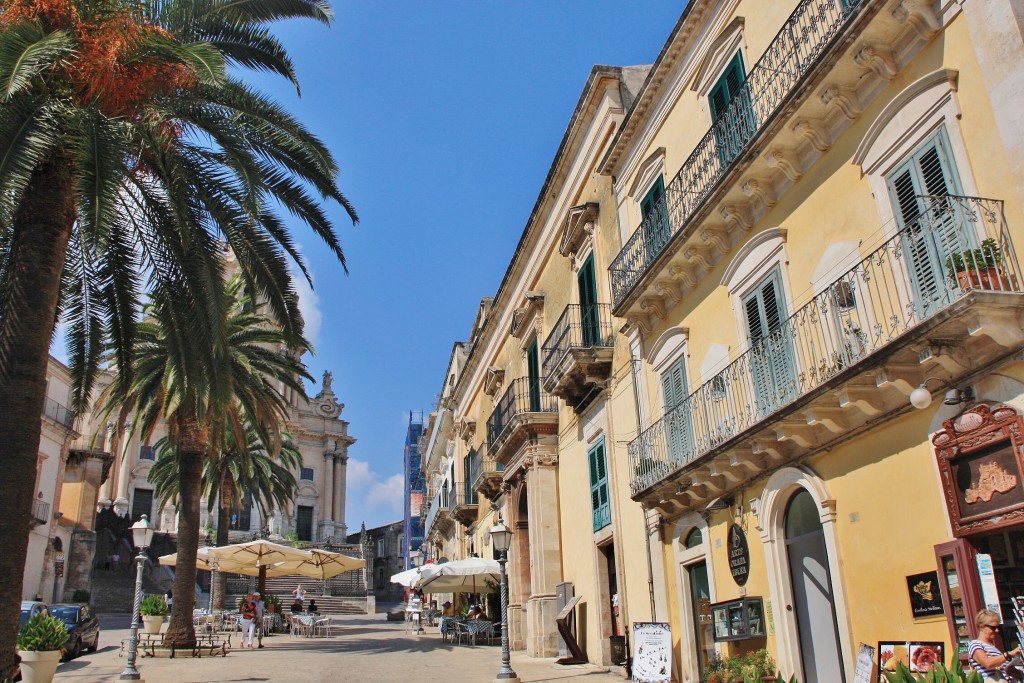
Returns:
(772,360)
(599,487)
(654,210)
(678,422)
(733,127)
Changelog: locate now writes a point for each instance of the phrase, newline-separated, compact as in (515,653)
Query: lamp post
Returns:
(142,535)
(501,537)
(417,561)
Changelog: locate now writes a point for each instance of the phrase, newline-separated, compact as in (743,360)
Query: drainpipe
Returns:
(633,362)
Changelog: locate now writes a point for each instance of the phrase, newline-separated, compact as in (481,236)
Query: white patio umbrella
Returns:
(471,575)
(258,553)
(322,565)
(412,578)
(204,561)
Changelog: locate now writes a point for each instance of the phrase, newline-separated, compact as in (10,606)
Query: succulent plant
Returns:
(42,633)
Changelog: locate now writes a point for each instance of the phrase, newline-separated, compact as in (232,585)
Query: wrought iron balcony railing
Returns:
(60,414)
(441,501)
(524,395)
(482,465)
(40,511)
(955,245)
(580,326)
(793,52)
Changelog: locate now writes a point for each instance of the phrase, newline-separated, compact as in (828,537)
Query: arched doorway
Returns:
(813,596)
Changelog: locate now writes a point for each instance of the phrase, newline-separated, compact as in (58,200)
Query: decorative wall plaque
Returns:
(981,458)
(739,555)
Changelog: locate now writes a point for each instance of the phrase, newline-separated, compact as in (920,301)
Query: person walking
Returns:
(985,657)
(299,594)
(261,609)
(248,621)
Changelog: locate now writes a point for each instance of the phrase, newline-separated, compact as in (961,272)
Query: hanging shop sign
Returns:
(925,596)
(652,652)
(739,555)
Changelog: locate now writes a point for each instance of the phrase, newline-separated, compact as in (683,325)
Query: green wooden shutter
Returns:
(590,319)
(533,380)
(654,210)
(772,364)
(732,127)
(930,231)
(599,498)
(678,422)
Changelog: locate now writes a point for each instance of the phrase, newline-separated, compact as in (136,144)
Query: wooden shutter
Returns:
(772,364)
(533,372)
(589,315)
(678,424)
(599,487)
(655,219)
(930,230)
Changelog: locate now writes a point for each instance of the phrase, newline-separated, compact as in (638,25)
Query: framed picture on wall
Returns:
(924,656)
(891,653)
(925,594)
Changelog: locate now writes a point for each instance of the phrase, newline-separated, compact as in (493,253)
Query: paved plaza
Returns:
(369,648)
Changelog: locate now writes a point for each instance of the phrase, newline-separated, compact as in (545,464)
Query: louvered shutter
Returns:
(678,425)
(732,127)
(772,363)
(533,377)
(655,219)
(590,319)
(599,487)
(929,228)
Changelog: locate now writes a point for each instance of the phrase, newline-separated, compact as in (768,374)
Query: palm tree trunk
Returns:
(223,526)
(190,473)
(28,310)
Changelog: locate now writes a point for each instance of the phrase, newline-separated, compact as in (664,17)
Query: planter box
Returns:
(39,667)
(153,624)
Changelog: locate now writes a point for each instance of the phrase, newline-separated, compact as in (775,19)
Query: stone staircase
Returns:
(283,586)
(113,591)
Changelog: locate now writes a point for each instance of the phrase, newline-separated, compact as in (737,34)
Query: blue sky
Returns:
(445,117)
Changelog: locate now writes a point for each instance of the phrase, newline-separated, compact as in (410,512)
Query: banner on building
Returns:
(415,504)
(652,652)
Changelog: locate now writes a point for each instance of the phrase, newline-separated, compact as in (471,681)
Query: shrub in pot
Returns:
(80,595)
(40,643)
(153,611)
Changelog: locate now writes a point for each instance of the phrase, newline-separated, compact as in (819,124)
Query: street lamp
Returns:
(501,537)
(142,535)
(416,558)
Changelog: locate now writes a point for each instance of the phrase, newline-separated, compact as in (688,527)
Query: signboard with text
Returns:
(739,555)
(652,652)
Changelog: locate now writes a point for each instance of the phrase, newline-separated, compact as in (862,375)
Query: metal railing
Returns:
(524,395)
(580,326)
(955,245)
(61,414)
(481,465)
(40,511)
(441,501)
(796,49)
(464,495)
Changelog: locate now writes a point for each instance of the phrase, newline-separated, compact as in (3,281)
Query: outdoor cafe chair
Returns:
(325,627)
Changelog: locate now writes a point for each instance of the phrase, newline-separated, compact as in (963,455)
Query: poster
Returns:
(865,664)
(925,597)
(989,592)
(652,652)
(917,656)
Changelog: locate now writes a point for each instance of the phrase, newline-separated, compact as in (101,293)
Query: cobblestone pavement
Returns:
(369,649)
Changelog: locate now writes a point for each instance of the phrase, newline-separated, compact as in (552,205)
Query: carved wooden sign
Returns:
(981,459)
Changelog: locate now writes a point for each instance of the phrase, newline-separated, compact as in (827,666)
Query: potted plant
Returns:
(40,643)
(153,611)
(977,267)
(272,603)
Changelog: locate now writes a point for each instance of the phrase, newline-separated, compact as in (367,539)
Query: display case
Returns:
(961,593)
(739,619)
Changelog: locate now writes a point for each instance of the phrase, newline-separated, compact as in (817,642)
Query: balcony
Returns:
(438,518)
(577,355)
(524,412)
(851,355)
(824,66)
(40,512)
(485,474)
(58,413)
(465,503)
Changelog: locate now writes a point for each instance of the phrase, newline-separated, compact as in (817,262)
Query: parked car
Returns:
(83,628)
(30,608)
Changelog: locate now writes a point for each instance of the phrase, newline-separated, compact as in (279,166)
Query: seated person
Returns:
(312,609)
(297,607)
(449,609)
(475,613)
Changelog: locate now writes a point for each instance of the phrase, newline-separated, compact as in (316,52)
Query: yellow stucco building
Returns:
(691,397)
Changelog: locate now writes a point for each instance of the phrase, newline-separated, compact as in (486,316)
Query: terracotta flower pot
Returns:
(39,667)
(980,278)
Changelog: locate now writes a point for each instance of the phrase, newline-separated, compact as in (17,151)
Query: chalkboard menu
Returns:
(739,555)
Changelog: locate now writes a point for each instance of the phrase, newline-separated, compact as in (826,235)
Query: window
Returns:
(533,373)
(304,522)
(930,230)
(590,318)
(599,487)
(306,474)
(771,354)
(655,218)
(380,547)
(147,453)
(142,504)
(678,427)
(733,117)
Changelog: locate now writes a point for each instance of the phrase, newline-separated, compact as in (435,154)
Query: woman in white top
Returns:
(985,657)
(299,594)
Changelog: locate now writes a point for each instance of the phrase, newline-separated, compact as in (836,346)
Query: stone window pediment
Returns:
(524,316)
(493,381)
(578,224)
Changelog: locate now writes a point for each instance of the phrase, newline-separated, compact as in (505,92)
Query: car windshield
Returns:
(69,615)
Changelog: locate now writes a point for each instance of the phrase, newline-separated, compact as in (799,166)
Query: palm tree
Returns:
(128,155)
(240,392)
(239,474)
